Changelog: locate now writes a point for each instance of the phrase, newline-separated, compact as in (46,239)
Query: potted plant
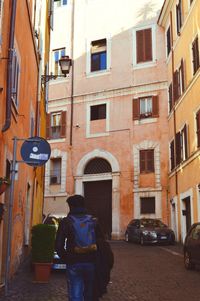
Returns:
(42,242)
(4,183)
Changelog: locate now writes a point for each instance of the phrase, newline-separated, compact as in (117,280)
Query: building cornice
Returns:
(164,13)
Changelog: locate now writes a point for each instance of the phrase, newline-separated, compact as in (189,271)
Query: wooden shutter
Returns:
(195,52)
(63,124)
(48,126)
(168,40)
(170,97)
(182,75)
(172,155)
(185,141)
(136,109)
(175,85)
(178,148)
(148,44)
(142,161)
(198,128)
(150,160)
(139,45)
(144,45)
(155,106)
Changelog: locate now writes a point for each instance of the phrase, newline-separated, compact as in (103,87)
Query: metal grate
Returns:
(97,165)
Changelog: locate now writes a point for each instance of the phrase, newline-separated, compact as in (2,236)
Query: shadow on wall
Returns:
(147,11)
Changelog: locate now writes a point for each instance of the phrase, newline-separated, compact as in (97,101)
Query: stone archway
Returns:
(114,176)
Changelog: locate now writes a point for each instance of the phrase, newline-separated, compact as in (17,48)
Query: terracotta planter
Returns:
(42,272)
(3,187)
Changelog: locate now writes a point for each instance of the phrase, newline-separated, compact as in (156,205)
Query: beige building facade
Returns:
(181,22)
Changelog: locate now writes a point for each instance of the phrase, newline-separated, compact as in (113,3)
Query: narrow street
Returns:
(140,274)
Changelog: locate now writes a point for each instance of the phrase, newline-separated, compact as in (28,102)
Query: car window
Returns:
(147,223)
(195,233)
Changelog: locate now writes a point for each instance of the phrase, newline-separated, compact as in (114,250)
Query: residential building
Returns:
(107,122)
(22,115)
(181,21)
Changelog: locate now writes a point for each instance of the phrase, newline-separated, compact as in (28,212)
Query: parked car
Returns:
(149,231)
(191,247)
(54,219)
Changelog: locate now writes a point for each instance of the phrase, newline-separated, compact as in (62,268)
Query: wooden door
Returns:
(98,196)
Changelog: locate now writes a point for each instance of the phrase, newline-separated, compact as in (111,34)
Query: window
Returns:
(147,205)
(147,161)
(195,55)
(178,82)
(59,3)
(56,125)
(169,46)
(15,78)
(198,128)
(97,165)
(98,55)
(55,172)
(145,107)
(181,81)
(144,45)
(178,16)
(57,54)
(98,112)
(184,144)
(172,160)
(195,233)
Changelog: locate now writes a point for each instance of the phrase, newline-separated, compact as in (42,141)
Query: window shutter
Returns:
(170,97)
(155,106)
(175,86)
(142,161)
(63,124)
(148,44)
(182,75)
(168,40)
(195,52)
(48,126)
(150,160)
(139,45)
(198,128)
(136,109)
(178,148)
(172,155)
(185,141)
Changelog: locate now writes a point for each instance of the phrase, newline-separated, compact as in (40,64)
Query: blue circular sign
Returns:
(35,151)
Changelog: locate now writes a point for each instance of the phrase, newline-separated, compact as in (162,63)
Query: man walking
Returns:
(76,244)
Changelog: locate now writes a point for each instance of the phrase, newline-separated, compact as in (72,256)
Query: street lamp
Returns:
(65,63)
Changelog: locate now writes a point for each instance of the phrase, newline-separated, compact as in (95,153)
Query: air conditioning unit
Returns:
(53,180)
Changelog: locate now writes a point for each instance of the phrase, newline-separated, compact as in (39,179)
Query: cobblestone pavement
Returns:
(140,274)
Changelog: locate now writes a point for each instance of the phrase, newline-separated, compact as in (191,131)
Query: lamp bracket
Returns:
(46,78)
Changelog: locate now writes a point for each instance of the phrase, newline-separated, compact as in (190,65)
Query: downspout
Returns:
(72,77)
(174,111)
(9,67)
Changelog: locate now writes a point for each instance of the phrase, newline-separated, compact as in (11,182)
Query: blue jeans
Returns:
(80,281)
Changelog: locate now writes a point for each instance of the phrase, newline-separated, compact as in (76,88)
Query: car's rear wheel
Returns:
(127,237)
(187,261)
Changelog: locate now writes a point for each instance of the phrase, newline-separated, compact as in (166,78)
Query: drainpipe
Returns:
(72,78)
(174,111)
(9,67)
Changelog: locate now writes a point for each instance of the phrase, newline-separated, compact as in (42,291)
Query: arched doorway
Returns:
(109,174)
(98,194)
